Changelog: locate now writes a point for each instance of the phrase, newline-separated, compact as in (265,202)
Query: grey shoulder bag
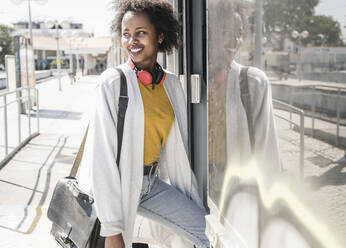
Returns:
(75,224)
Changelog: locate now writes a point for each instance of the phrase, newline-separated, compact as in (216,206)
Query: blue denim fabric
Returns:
(166,205)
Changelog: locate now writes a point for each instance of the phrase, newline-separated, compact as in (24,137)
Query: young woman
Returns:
(154,178)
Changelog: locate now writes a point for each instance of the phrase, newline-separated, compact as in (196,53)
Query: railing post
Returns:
(5,126)
(313,110)
(19,108)
(37,111)
(338,117)
(291,103)
(29,112)
(302,145)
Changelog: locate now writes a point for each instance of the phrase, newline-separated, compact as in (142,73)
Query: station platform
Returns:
(27,181)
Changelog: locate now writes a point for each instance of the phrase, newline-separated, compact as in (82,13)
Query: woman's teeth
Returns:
(136,50)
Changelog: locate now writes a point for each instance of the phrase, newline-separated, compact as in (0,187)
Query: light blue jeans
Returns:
(166,205)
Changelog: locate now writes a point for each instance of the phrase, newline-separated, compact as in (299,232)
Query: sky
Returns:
(334,8)
(96,15)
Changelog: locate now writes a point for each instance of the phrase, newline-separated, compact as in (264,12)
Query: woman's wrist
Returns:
(115,241)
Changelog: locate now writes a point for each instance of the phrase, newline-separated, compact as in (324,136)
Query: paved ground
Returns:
(27,181)
(324,182)
(323,189)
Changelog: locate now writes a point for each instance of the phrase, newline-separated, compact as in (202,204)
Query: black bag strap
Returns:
(246,100)
(122,107)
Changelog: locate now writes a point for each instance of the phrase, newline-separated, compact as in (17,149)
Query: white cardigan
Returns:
(117,197)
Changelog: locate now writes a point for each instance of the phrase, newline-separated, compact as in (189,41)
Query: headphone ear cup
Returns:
(145,77)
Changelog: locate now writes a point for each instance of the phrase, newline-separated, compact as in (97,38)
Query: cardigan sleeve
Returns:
(266,147)
(105,176)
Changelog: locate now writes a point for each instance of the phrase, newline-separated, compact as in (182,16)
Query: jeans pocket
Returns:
(148,184)
(152,182)
(145,187)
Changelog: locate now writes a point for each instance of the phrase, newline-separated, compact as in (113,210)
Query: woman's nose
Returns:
(133,40)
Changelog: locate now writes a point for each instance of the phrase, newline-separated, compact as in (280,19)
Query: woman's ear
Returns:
(161,38)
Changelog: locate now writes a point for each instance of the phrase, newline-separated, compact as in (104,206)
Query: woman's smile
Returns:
(135,50)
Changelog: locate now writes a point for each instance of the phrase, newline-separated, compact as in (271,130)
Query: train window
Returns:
(290,185)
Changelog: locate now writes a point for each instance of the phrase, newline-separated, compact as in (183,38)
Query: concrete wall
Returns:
(339,77)
(325,100)
(38,75)
(43,74)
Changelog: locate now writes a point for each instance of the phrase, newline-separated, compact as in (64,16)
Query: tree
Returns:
(6,42)
(54,64)
(323,31)
(281,17)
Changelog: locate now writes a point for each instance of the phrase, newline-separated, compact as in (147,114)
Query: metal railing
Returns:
(284,106)
(21,95)
(314,87)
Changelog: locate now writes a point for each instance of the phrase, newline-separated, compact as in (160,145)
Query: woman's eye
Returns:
(126,35)
(141,32)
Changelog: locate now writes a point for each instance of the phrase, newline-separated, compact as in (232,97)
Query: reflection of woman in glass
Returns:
(233,151)
(154,176)
(225,75)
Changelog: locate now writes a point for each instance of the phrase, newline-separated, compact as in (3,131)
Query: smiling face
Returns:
(232,37)
(139,39)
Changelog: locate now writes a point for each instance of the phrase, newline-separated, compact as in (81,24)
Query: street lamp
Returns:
(322,38)
(57,25)
(17,2)
(296,35)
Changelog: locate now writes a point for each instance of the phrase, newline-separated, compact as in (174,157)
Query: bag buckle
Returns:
(63,240)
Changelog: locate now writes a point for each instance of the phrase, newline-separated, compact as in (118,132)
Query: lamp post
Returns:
(69,35)
(17,2)
(296,35)
(56,25)
(322,38)
(0,50)
(79,43)
(258,34)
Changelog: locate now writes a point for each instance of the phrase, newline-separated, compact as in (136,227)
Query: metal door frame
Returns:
(193,57)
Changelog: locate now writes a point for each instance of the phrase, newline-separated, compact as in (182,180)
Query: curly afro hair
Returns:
(161,15)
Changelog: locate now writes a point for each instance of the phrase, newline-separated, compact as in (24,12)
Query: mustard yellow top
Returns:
(158,119)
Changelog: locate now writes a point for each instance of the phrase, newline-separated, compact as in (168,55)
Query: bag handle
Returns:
(122,107)
(246,100)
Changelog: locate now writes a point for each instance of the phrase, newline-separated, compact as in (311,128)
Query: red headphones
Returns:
(146,76)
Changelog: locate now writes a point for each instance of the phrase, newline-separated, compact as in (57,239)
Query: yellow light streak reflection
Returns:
(278,191)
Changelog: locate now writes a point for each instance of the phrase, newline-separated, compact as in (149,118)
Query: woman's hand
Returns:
(115,241)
